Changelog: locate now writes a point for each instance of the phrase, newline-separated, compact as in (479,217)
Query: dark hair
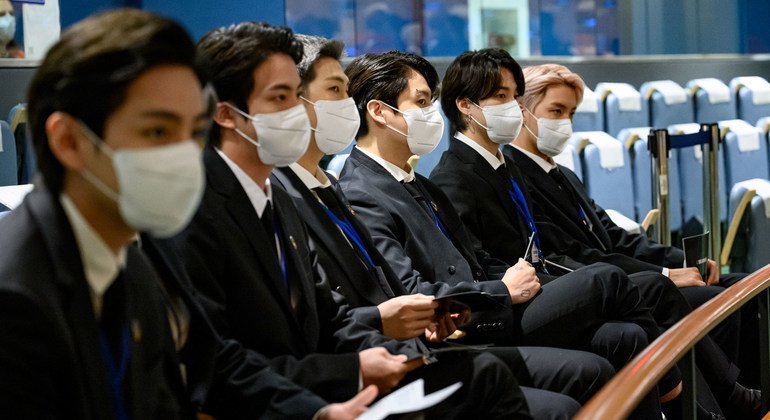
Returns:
(314,48)
(476,75)
(87,72)
(229,55)
(383,77)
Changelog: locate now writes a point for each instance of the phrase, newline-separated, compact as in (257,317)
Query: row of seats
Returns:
(612,107)
(17,157)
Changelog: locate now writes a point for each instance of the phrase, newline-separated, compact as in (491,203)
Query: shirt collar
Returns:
(546,165)
(319,180)
(100,264)
(494,160)
(258,197)
(398,173)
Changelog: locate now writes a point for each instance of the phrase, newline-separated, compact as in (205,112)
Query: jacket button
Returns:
(478,274)
(451,269)
(338,289)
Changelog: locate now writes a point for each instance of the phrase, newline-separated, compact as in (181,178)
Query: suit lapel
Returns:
(78,308)
(584,201)
(545,184)
(328,233)
(242,212)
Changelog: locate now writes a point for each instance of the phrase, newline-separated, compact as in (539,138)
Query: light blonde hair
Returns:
(540,78)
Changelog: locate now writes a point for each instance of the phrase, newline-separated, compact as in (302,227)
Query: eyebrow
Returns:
(337,79)
(421,92)
(170,116)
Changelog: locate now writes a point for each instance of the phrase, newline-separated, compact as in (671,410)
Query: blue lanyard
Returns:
(584,218)
(521,205)
(436,220)
(116,373)
(351,233)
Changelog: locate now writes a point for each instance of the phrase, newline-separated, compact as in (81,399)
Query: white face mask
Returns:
(424,127)
(159,188)
(552,135)
(7,28)
(503,121)
(282,137)
(337,124)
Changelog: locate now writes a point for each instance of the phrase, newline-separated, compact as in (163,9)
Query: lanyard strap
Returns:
(351,233)
(521,205)
(116,372)
(436,219)
(283,254)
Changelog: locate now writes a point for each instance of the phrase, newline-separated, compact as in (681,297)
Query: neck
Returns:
(312,157)
(101,213)
(528,142)
(482,139)
(245,155)
(380,144)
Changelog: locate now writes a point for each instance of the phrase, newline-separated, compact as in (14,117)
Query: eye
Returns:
(501,96)
(557,112)
(156,133)
(422,102)
(280,98)
(335,89)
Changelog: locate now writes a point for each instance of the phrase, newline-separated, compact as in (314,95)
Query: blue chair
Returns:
(635,141)
(690,162)
(623,107)
(426,163)
(589,115)
(569,158)
(606,172)
(712,100)
(8,166)
(25,151)
(745,245)
(335,165)
(745,152)
(752,97)
(669,103)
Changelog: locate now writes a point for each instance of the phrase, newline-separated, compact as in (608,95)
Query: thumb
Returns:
(365,397)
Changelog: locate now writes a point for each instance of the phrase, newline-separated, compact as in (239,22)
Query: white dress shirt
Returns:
(494,160)
(398,173)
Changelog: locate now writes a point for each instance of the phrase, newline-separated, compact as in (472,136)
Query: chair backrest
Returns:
(606,172)
(690,162)
(745,152)
(335,165)
(623,107)
(589,115)
(750,250)
(25,152)
(569,157)
(8,166)
(635,141)
(669,103)
(429,161)
(712,100)
(752,97)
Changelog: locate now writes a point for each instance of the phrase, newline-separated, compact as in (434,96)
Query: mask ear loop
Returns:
(388,125)
(89,176)
(238,130)
(313,129)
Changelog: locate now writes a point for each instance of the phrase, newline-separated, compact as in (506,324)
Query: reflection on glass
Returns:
(9,48)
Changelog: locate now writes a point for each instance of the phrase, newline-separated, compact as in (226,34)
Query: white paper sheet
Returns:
(42,27)
(11,196)
(408,399)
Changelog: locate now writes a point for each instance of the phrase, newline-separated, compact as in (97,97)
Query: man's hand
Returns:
(378,367)
(522,282)
(713,273)
(350,409)
(407,316)
(685,277)
(446,324)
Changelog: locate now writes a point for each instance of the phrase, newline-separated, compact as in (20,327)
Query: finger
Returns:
(363,398)
(412,364)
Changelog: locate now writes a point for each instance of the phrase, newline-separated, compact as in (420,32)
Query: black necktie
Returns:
(112,321)
(563,184)
(503,172)
(268,222)
(329,199)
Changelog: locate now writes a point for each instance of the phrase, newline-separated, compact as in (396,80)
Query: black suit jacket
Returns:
(233,265)
(223,378)
(50,360)
(363,288)
(424,259)
(563,232)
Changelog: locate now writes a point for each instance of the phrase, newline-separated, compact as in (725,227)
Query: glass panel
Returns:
(388,25)
(446,27)
(327,18)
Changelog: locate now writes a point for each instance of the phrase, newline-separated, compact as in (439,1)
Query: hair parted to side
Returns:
(87,72)
(383,77)
(476,75)
(541,78)
(228,56)
(315,48)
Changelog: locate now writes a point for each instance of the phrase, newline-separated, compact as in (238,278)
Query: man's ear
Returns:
(463,105)
(374,109)
(67,141)
(225,116)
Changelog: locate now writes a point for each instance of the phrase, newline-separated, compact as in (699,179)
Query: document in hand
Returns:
(696,252)
(408,399)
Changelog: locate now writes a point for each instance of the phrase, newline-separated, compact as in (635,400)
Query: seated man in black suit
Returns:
(359,272)
(248,255)
(415,227)
(490,195)
(114,110)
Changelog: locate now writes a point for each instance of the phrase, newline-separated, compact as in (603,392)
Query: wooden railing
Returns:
(618,398)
